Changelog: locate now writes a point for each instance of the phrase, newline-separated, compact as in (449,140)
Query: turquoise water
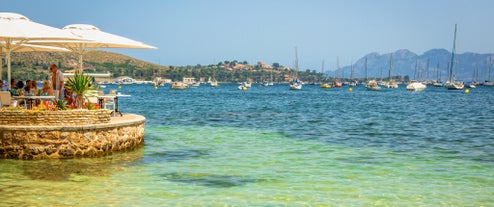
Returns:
(269,146)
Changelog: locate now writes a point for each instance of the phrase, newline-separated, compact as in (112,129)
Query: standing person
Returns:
(57,81)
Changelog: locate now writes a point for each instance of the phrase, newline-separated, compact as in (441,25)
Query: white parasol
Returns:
(17,31)
(97,39)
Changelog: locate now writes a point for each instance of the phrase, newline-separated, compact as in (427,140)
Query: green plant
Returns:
(79,85)
(62,105)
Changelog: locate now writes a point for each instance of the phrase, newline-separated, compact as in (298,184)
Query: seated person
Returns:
(46,90)
(68,96)
(27,87)
(34,88)
(14,91)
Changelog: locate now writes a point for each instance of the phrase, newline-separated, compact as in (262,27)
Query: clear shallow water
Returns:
(270,146)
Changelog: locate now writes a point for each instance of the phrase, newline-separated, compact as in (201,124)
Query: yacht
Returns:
(416,86)
(373,86)
(452,84)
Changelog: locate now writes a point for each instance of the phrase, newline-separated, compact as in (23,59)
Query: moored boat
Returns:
(451,84)
(178,85)
(416,86)
(325,85)
(372,86)
(295,84)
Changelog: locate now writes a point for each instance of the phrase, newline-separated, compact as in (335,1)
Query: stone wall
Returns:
(88,140)
(74,117)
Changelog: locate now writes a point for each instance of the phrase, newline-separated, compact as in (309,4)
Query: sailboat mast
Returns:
(352,74)
(415,71)
(390,67)
(490,61)
(323,76)
(338,65)
(427,70)
(322,67)
(437,72)
(453,51)
(296,62)
(366,75)
(296,59)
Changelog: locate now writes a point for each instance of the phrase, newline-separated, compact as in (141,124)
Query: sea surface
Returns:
(271,146)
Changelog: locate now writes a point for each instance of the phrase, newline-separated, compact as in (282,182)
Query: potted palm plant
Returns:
(80,84)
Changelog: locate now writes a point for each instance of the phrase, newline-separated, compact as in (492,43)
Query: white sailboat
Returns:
(391,83)
(243,86)
(437,82)
(212,82)
(324,83)
(452,84)
(270,81)
(372,84)
(295,83)
(475,77)
(415,85)
(337,83)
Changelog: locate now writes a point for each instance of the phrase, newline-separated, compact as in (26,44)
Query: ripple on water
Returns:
(274,147)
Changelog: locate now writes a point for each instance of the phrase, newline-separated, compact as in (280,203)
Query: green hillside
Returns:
(34,65)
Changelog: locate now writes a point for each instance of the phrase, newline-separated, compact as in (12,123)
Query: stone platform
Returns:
(93,138)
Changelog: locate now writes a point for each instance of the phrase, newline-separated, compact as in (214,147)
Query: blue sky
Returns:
(190,32)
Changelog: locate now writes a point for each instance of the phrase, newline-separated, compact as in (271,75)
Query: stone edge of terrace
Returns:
(56,142)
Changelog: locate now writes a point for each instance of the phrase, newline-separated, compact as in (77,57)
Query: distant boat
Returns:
(243,86)
(195,84)
(474,82)
(212,82)
(416,86)
(178,85)
(247,84)
(324,83)
(391,83)
(373,86)
(451,84)
(338,83)
(437,82)
(270,82)
(295,83)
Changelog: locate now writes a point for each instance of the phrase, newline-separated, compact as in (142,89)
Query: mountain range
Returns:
(432,65)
